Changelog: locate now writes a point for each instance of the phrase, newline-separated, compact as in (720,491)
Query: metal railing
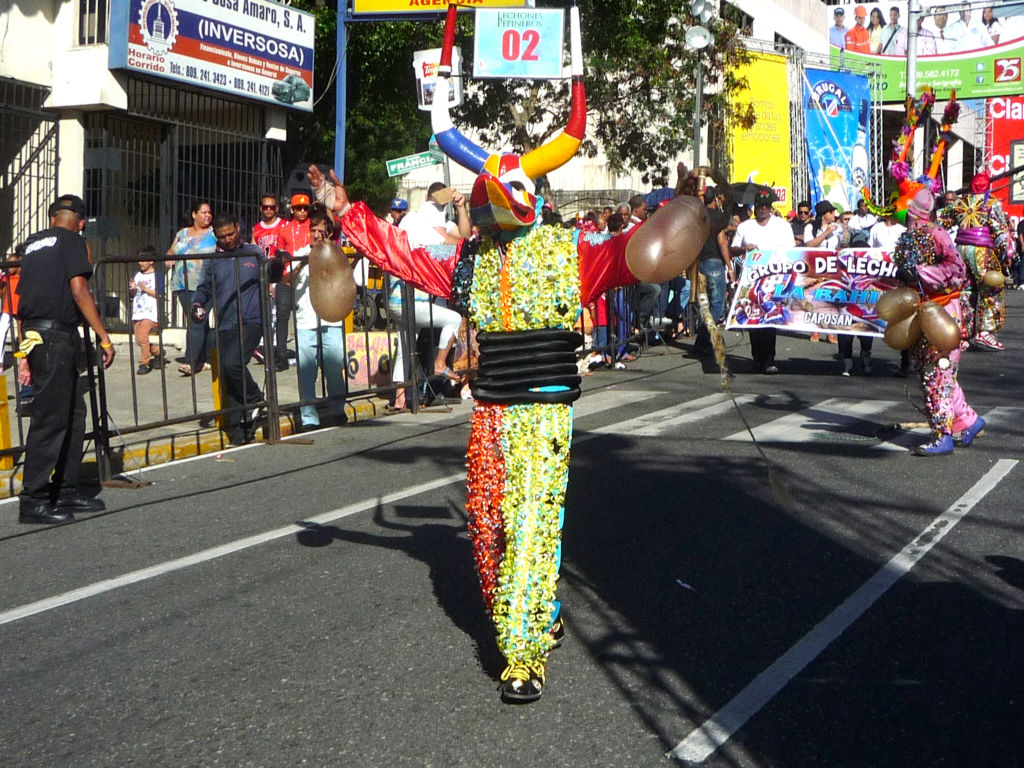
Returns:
(126,405)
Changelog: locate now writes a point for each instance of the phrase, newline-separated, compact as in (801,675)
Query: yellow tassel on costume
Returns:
(32,338)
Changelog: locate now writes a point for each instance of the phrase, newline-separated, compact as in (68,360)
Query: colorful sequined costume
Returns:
(523,285)
(941,274)
(982,238)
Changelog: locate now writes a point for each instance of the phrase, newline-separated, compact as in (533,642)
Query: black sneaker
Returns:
(522,683)
(42,512)
(142,370)
(78,503)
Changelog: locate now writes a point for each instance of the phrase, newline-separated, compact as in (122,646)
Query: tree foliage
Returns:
(640,80)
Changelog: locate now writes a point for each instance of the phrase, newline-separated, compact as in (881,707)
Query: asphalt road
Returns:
(842,604)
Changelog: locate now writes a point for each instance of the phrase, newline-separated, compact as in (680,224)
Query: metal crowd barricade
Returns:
(127,407)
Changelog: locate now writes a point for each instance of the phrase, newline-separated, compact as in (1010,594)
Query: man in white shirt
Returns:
(764,232)
(969,36)
(886,232)
(863,219)
(893,33)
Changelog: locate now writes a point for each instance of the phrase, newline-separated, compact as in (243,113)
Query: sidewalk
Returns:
(174,398)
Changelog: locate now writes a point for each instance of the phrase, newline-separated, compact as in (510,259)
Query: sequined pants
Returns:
(518,465)
(948,411)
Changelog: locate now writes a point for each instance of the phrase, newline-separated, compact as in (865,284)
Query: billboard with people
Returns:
(976,50)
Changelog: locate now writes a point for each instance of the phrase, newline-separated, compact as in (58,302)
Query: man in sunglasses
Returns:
(803,218)
(267,232)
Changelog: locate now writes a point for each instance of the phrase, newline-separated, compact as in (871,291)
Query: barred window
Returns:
(93,21)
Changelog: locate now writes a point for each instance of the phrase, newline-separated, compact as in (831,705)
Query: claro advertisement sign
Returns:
(250,48)
(1006,151)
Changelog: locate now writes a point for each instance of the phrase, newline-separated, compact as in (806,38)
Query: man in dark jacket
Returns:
(234,287)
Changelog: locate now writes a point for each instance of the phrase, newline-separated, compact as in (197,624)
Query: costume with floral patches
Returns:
(940,273)
(982,239)
(523,284)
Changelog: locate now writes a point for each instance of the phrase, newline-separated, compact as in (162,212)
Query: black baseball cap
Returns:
(824,207)
(72,203)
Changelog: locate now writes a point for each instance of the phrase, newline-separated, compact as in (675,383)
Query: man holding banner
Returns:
(764,232)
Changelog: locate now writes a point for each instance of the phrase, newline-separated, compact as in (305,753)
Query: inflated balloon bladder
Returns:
(939,327)
(332,288)
(669,241)
(994,279)
(897,304)
(903,334)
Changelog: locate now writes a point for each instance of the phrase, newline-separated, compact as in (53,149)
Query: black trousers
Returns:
(762,345)
(56,433)
(284,304)
(846,344)
(234,350)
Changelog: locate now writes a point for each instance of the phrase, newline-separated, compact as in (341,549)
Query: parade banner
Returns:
(974,52)
(1005,151)
(761,153)
(805,289)
(430,6)
(519,44)
(255,49)
(837,105)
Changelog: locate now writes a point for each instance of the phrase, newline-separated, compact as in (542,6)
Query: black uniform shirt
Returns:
(52,258)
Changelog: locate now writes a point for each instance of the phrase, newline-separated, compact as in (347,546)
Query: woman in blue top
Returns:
(196,239)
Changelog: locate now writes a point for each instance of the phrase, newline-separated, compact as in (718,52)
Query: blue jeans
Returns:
(198,338)
(328,356)
(714,271)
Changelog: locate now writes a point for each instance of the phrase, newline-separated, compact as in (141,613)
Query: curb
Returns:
(148,452)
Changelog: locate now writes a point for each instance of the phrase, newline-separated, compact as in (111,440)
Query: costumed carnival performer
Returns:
(983,240)
(523,285)
(928,262)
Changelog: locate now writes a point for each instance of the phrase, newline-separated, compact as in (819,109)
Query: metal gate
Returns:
(28,157)
(144,169)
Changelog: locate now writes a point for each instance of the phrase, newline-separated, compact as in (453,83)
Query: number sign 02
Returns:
(519,43)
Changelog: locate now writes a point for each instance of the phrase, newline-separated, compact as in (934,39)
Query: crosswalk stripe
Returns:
(807,424)
(606,399)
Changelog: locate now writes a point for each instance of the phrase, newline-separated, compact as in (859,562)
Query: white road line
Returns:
(606,399)
(213,553)
(702,742)
(692,411)
(603,401)
(804,426)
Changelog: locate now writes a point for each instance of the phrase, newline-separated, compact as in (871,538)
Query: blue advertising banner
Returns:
(256,49)
(837,107)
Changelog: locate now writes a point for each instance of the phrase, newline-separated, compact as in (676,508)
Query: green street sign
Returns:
(403,165)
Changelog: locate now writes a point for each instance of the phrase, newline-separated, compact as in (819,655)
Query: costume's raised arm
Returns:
(385,245)
(429,269)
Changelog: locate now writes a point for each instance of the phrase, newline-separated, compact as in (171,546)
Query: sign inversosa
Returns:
(255,49)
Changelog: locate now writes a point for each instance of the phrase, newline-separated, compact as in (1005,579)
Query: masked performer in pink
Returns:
(927,261)
(522,284)
(982,238)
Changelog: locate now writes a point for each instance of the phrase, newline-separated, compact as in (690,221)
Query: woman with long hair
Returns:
(992,25)
(195,239)
(876,23)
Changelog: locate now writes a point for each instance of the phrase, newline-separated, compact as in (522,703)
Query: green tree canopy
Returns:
(640,81)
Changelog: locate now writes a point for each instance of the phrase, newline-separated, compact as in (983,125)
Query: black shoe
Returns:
(142,370)
(41,512)
(522,683)
(79,503)
(281,365)
(156,362)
